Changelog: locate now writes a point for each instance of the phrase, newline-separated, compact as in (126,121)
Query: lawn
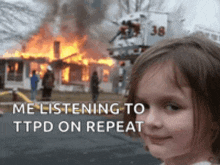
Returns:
(68,97)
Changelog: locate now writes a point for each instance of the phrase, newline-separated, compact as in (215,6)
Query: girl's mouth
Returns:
(155,139)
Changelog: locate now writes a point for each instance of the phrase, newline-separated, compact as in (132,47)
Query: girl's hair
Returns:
(198,60)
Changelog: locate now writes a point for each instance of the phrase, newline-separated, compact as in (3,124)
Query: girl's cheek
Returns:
(140,117)
(137,119)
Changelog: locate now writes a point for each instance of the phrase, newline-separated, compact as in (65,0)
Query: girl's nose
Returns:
(153,118)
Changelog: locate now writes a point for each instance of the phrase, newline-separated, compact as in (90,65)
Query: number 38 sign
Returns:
(160,31)
(157,29)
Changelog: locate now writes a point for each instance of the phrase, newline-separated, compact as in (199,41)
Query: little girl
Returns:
(178,82)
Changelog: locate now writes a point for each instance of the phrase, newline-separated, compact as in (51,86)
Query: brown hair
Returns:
(198,60)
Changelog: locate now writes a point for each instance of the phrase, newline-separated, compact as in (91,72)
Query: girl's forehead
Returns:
(168,71)
(161,83)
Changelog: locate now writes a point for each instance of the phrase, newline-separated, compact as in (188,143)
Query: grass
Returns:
(68,97)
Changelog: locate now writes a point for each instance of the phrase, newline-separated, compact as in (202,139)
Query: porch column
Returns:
(6,73)
(24,74)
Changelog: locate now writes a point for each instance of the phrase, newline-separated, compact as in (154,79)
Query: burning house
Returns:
(63,43)
(71,64)
(15,71)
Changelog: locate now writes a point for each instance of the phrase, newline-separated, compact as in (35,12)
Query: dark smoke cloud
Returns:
(85,15)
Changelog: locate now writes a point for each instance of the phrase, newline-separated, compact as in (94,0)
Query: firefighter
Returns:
(130,29)
(48,84)
(134,29)
(122,75)
(122,30)
(94,86)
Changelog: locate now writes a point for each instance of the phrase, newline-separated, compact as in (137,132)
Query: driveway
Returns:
(71,147)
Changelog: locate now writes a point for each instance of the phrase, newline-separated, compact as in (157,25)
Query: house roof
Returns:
(31,59)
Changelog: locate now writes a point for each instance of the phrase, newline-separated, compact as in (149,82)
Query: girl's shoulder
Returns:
(200,163)
(203,163)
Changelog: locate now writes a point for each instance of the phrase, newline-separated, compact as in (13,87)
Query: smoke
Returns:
(75,16)
(87,15)
(82,17)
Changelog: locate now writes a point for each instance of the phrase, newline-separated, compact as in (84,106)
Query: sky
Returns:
(196,12)
(23,30)
(201,12)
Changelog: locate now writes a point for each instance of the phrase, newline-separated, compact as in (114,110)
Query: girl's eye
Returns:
(172,107)
(146,106)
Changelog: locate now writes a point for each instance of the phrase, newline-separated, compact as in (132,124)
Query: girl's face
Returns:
(168,117)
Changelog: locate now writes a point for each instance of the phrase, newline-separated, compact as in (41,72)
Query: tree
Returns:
(15,20)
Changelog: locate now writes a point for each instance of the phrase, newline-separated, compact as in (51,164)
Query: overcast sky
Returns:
(200,12)
(23,29)
(196,12)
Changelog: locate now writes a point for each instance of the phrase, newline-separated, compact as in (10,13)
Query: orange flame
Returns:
(16,66)
(65,73)
(85,74)
(105,72)
(105,75)
(41,45)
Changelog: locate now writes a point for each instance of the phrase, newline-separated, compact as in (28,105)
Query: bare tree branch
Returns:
(14,17)
(136,5)
(128,6)
(123,6)
(140,4)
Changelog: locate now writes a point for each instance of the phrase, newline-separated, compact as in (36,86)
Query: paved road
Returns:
(75,148)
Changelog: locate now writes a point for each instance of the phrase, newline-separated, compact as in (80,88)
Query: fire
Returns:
(105,72)
(71,51)
(105,75)
(108,61)
(16,66)
(42,70)
(65,73)
(85,74)
(15,54)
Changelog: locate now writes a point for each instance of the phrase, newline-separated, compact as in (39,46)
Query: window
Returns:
(105,75)
(15,71)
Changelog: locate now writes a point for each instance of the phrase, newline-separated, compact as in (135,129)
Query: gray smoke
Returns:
(86,15)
